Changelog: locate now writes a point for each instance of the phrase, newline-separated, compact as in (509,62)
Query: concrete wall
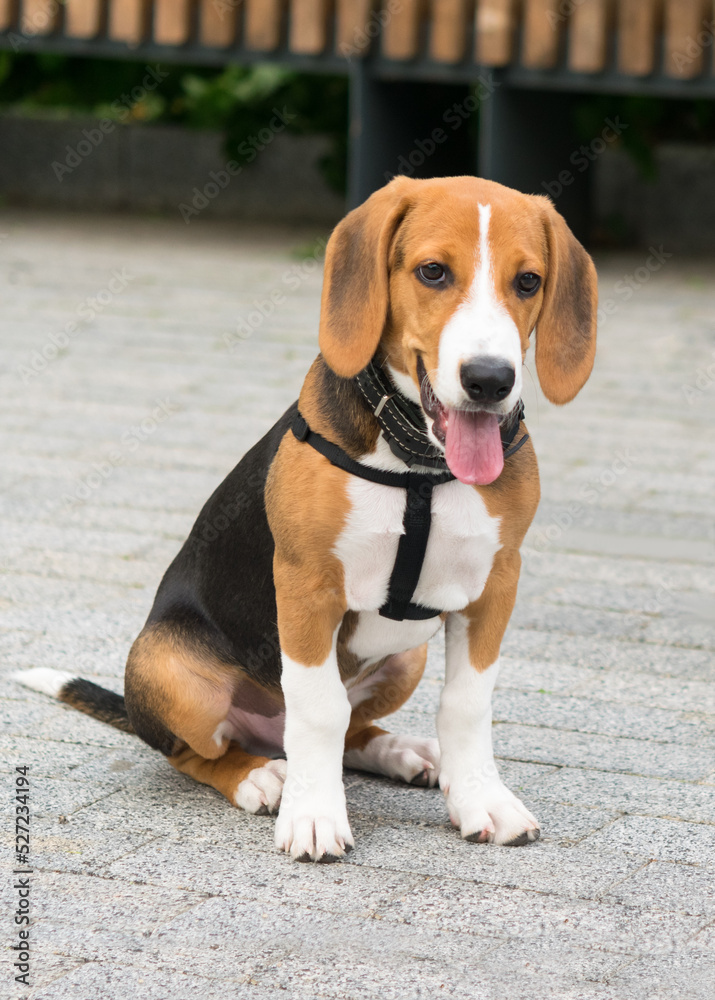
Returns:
(158,168)
(676,209)
(74,164)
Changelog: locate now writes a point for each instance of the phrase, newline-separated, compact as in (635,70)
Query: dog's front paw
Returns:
(488,813)
(261,791)
(312,824)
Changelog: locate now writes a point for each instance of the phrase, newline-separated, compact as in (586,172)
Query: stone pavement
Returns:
(149,885)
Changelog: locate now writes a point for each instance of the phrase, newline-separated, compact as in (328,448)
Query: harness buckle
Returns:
(383,402)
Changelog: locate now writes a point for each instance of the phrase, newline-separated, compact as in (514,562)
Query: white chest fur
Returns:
(463,541)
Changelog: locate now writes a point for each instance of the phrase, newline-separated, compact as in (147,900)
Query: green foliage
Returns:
(650,120)
(240,101)
(237,100)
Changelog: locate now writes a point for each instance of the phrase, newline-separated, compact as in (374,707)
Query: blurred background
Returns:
(136,105)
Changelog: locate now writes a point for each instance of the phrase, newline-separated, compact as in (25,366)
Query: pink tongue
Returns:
(473,447)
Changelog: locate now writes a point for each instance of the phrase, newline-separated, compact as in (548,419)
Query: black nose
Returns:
(487,381)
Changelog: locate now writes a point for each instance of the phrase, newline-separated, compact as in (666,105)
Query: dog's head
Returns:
(445,280)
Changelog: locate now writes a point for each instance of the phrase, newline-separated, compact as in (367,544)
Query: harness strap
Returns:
(417,519)
(412,545)
(411,550)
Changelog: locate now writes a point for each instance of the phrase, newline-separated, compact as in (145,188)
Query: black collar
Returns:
(403,424)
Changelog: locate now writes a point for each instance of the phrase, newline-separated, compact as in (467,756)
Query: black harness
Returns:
(404,428)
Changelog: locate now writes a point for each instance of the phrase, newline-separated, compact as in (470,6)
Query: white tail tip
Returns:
(43,679)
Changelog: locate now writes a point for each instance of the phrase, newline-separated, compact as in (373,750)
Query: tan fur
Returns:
(489,616)
(189,692)
(354,301)
(307,505)
(224,774)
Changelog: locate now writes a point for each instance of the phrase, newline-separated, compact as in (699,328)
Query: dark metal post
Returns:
(526,141)
(392,131)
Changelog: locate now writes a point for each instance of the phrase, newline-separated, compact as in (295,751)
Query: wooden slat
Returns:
(684,55)
(82,18)
(637,39)
(172,21)
(401,30)
(309,26)
(449,29)
(356,26)
(544,22)
(7,14)
(588,36)
(262,25)
(495,32)
(38,17)
(218,22)
(129,20)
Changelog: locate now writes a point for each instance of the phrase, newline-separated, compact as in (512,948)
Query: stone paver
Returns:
(147,884)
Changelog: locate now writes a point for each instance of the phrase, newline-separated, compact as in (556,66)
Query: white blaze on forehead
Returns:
(481,328)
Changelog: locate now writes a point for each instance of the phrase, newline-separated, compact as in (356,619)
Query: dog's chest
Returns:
(463,541)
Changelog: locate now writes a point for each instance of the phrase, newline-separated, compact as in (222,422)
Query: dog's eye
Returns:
(432,273)
(527,283)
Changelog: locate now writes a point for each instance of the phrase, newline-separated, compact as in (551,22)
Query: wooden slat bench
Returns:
(524,62)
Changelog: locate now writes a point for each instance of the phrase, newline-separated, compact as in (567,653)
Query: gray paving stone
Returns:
(663,839)
(83,843)
(605,654)
(544,920)
(109,980)
(681,976)
(202,863)
(540,868)
(574,749)
(665,885)
(583,715)
(629,793)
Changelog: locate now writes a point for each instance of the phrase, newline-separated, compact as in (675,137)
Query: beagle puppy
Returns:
(390,501)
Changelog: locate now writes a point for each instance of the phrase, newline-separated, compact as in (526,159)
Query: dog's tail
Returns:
(80,694)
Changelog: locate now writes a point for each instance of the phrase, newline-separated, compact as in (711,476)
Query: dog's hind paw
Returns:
(402,758)
(261,791)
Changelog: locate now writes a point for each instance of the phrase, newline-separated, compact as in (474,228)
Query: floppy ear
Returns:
(566,327)
(355,298)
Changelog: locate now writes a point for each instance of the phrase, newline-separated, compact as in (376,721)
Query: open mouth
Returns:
(471,438)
